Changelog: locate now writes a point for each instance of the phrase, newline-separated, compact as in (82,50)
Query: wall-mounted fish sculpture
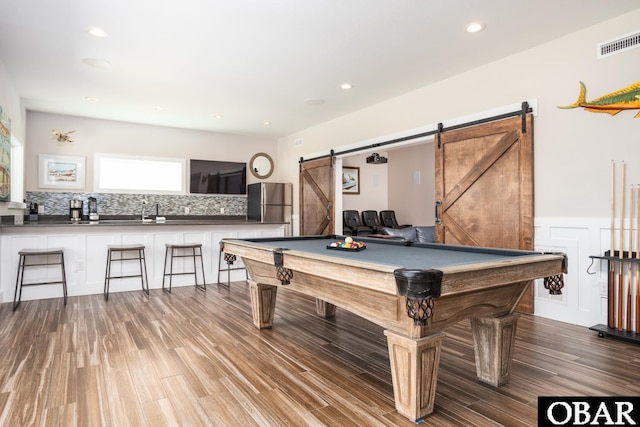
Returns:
(611,103)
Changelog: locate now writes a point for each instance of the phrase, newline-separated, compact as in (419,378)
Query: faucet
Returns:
(144,205)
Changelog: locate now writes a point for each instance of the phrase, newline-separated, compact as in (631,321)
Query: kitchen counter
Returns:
(85,246)
(126,220)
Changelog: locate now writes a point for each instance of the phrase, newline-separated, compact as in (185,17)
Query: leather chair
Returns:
(370,219)
(352,223)
(388,219)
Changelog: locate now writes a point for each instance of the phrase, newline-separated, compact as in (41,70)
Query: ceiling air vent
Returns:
(620,44)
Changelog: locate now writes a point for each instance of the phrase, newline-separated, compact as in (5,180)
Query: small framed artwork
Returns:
(350,180)
(61,171)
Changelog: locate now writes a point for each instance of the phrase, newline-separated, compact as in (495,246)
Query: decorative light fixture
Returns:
(376,159)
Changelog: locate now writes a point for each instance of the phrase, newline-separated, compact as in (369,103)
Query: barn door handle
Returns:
(438,205)
(329,206)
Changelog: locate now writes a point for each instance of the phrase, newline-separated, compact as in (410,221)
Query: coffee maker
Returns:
(75,210)
(93,209)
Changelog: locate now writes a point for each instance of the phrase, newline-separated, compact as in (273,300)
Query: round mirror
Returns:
(261,165)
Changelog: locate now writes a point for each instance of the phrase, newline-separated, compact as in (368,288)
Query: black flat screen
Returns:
(216,177)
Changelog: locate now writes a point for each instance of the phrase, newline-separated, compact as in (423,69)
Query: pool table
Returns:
(413,290)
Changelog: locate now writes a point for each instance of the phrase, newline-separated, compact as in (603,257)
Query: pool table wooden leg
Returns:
(263,303)
(325,309)
(414,372)
(493,340)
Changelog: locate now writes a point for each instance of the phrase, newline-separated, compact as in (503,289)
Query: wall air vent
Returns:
(619,44)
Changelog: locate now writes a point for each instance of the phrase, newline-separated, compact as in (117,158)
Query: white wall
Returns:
(412,184)
(573,149)
(373,185)
(104,136)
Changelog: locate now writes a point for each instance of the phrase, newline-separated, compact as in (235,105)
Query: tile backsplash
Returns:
(131,204)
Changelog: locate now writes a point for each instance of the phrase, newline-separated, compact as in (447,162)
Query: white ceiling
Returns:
(257,60)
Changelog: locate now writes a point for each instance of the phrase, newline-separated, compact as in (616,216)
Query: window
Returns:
(116,173)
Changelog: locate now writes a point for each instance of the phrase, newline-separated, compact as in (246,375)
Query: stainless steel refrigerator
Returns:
(270,202)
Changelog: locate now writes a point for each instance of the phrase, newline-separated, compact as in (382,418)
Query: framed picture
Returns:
(350,180)
(61,171)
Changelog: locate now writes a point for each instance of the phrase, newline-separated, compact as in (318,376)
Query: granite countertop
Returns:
(130,220)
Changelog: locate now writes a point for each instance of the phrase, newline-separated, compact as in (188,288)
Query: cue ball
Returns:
(348,239)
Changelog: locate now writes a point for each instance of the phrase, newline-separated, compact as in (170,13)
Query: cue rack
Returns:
(623,263)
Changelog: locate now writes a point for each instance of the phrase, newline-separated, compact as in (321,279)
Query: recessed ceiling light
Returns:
(96,62)
(474,27)
(266,123)
(91,99)
(98,32)
(218,116)
(346,86)
(314,101)
(157,108)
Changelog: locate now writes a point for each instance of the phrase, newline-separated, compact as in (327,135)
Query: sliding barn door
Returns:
(484,184)
(317,197)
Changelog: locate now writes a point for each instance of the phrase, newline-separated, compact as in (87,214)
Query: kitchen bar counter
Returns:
(130,220)
(85,249)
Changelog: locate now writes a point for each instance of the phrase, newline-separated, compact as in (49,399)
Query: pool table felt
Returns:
(418,256)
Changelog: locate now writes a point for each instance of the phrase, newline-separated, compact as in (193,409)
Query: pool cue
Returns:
(637,256)
(612,267)
(620,269)
(632,203)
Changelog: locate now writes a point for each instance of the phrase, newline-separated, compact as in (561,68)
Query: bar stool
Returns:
(22,265)
(121,249)
(229,259)
(182,251)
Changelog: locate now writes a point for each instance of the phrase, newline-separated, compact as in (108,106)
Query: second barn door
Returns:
(317,197)
(484,187)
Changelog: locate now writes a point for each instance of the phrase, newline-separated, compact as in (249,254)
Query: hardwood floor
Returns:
(194,358)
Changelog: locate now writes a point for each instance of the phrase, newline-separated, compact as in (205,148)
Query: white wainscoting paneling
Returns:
(581,302)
